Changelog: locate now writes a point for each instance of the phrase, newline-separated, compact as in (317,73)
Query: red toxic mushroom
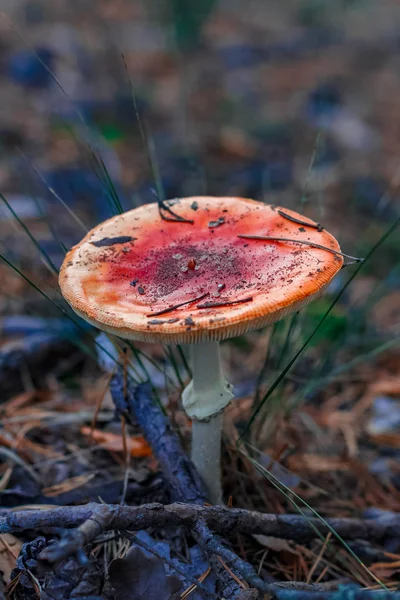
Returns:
(224,267)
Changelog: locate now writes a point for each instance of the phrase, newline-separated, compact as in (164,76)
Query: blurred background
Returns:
(294,103)
(272,102)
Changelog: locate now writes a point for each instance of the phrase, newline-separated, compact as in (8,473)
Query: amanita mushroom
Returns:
(215,273)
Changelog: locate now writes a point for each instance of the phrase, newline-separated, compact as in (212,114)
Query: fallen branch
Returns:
(92,518)
(86,522)
(210,544)
(206,594)
(138,406)
(204,522)
(343,593)
(183,482)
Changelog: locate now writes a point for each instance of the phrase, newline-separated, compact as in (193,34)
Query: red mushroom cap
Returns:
(141,277)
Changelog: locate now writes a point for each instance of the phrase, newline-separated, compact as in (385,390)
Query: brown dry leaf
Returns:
(386,312)
(385,575)
(10,547)
(374,492)
(137,445)
(385,565)
(337,419)
(236,143)
(389,386)
(25,398)
(24,446)
(67,485)
(28,445)
(386,439)
(386,386)
(5,479)
(142,577)
(275,544)
(316,463)
(240,409)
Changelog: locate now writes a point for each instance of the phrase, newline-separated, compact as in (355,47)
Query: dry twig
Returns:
(92,518)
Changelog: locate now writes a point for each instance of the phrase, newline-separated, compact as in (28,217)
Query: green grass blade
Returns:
(30,191)
(282,375)
(139,353)
(288,339)
(287,492)
(45,255)
(314,386)
(189,16)
(60,308)
(88,133)
(184,361)
(148,143)
(304,196)
(99,169)
(111,186)
(138,356)
(55,195)
(266,363)
(170,355)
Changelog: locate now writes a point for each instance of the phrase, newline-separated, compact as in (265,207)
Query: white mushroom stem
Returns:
(206,454)
(204,399)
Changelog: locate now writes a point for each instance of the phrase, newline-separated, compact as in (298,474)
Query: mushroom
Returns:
(225,266)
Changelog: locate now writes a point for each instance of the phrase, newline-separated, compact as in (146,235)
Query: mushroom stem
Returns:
(206,455)
(204,399)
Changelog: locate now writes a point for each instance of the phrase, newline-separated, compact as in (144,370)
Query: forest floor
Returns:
(295,107)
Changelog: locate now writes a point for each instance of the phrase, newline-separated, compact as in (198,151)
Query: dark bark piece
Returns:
(72,580)
(183,482)
(69,579)
(209,542)
(224,303)
(349,592)
(140,577)
(95,518)
(175,306)
(24,490)
(182,570)
(217,223)
(247,595)
(182,479)
(174,218)
(299,221)
(77,539)
(219,519)
(27,563)
(106,242)
(35,355)
(269,238)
